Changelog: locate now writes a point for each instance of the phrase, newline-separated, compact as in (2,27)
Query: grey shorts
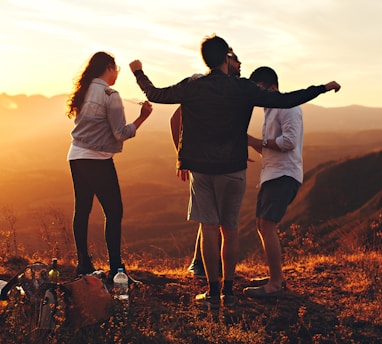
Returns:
(274,197)
(216,198)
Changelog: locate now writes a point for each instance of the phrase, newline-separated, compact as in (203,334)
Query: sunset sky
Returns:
(45,43)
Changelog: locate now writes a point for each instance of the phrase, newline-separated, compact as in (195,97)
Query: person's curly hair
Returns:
(94,69)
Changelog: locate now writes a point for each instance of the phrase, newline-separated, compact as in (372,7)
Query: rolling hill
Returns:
(339,199)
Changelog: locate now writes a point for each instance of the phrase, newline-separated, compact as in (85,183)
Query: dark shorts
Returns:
(274,197)
(216,199)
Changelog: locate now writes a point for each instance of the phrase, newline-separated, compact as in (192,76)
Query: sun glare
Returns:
(8,104)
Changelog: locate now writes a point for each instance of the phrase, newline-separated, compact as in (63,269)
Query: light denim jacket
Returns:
(101,123)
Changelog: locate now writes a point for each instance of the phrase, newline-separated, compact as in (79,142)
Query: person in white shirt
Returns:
(280,178)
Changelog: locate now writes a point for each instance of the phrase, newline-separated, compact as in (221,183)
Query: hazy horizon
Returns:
(134,100)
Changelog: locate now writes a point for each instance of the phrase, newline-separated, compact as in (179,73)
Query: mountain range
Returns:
(341,193)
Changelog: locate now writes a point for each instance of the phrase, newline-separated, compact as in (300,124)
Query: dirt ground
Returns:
(324,303)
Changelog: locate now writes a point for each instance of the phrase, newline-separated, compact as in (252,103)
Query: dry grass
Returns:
(330,299)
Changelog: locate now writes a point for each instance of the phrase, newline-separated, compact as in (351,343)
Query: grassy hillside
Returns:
(338,200)
(330,299)
(37,185)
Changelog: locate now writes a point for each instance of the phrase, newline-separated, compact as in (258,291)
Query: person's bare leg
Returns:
(229,252)
(198,244)
(210,251)
(197,251)
(272,249)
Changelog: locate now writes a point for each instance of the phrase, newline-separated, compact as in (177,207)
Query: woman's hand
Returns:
(146,109)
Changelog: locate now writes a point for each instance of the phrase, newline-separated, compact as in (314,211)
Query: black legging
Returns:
(97,177)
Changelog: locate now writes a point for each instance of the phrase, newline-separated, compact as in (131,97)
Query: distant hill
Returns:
(339,199)
(25,110)
(341,119)
(35,178)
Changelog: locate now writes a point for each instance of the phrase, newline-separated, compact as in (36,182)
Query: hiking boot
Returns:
(197,268)
(85,266)
(228,300)
(212,301)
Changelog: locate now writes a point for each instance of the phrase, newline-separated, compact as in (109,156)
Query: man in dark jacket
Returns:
(196,267)
(213,146)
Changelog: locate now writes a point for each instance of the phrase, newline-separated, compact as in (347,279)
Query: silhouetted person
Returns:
(196,267)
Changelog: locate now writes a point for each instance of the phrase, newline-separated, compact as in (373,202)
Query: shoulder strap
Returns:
(13,281)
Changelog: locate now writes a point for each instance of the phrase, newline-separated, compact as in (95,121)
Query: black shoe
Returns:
(228,300)
(212,302)
(197,268)
(85,267)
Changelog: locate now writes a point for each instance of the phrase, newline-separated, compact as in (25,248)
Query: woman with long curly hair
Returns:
(99,132)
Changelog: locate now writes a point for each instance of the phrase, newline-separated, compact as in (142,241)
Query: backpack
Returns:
(36,292)
(85,301)
(28,281)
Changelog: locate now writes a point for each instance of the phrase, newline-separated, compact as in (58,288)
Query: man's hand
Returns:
(332,86)
(255,143)
(135,65)
(183,174)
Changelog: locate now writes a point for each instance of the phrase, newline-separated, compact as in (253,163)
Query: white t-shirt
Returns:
(76,152)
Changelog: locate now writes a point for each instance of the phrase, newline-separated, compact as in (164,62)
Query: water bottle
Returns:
(54,274)
(121,285)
